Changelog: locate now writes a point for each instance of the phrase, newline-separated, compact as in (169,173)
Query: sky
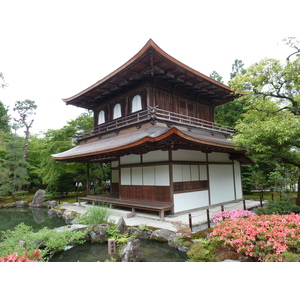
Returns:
(50,50)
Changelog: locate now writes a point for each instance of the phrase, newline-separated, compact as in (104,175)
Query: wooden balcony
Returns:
(154,114)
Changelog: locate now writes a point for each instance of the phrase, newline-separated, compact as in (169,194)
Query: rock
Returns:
(50,204)
(69,216)
(173,241)
(20,203)
(98,234)
(132,252)
(38,198)
(121,226)
(161,235)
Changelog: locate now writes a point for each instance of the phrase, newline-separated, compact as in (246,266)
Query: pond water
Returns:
(152,252)
(35,217)
(38,218)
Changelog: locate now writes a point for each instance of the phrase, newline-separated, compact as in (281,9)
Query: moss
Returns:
(201,234)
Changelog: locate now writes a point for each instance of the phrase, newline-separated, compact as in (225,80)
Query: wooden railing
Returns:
(152,114)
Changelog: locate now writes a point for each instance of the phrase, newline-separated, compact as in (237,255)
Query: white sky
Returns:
(51,50)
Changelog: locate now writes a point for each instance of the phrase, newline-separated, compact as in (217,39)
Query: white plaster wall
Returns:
(149,175)
(218,157)
(188,155)
(238,180)
(114,163)
(162,175)
(137,176)
(125,176)
(130,159)
(221,183)
(195,175)
(191,200)
(115,176)
(203,172)
(155,156)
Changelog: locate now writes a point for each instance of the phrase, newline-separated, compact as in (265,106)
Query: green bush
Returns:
(96,215)
(203,251)
(49,240)
(279,208)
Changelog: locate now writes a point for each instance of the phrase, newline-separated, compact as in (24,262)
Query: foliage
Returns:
(22,238)
(203,251)
(270,127)
(95,215)
(260,237)
(278,207)
(231,214)
(114,233)
(26,257)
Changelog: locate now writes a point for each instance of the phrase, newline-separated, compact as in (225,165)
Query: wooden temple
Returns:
(154,123)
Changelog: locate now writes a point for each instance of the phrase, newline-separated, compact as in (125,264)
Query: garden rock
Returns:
(98,234)
(38,198)
(50,204)
(132,251)
(68,216)
(161,235)
(173,240)
(121,226)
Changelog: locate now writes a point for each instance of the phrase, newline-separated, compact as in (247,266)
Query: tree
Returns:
(2,81)
(229,113)
(4,118)
(271,125)
(25,109)
(216,76)
(60,177)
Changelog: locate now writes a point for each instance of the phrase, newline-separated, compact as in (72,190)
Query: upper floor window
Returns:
(101,117)
(136,103)
(117,111)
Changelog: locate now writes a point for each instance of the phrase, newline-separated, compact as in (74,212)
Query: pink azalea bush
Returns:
(232,214)
(26,257)
(265,238)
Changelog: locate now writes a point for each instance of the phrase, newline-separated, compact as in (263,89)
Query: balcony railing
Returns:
(152,114)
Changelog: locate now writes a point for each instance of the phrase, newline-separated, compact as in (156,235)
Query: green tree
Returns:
(271,125)
(25,109)
(216,76)
(60,177)
(230,113)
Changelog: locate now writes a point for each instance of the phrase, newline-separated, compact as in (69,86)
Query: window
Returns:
(101,117)
(117,111)
(136,103)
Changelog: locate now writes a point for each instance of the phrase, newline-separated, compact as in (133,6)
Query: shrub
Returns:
(202,251)
(278,207)
(26,257)
(267,237)
(22,238)
(231,214)
(95,215)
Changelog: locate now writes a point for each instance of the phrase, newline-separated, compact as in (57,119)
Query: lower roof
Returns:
(149,138)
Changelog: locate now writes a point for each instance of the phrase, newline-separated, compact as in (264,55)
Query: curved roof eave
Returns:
(146,139)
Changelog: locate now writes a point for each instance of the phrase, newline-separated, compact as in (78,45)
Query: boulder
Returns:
(98,234)
(132,251)
(121,225)
(161,235)
(69,216)
(38,198)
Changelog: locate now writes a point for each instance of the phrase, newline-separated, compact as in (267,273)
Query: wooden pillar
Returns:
(88,179)
(171,180)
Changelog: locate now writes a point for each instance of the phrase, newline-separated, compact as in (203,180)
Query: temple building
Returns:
(154,124)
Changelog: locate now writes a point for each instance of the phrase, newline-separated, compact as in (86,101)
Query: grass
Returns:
(266,195)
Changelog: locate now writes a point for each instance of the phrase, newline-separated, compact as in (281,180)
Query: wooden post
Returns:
(208,221)
(87,179)
(222,208)
(244,204)
(261,205)
(190,222)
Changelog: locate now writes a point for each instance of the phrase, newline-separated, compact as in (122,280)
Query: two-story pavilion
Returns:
(154,123)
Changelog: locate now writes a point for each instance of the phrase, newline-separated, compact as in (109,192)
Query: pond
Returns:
(38,218)
(35,217)
(152,252)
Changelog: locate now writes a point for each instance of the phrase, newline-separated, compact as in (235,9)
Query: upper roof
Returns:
(151,61)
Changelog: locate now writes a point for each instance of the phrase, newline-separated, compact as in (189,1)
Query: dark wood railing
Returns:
(153,114)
